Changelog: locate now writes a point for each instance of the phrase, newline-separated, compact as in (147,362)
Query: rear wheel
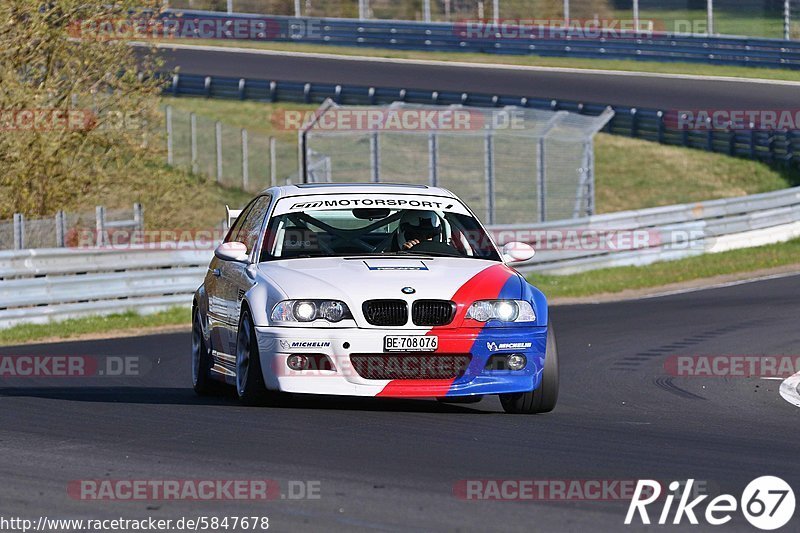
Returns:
(542,399)
(201,359)
(249,380)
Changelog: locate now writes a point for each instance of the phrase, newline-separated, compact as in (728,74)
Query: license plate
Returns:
(410,343)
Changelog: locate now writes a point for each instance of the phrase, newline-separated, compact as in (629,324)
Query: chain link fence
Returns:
(70,229)
(233,157)
(757,18)
(511,165)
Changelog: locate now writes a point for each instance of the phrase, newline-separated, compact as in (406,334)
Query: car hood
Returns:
(354,280)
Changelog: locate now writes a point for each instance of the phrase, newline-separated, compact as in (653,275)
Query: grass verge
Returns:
(624,65)
(618,279)
(95,325)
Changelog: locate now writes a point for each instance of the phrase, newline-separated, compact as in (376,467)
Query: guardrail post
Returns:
(710,140)
(660,134)
(433,160)
(61,229)
(193,135)
(218,138)
(488,168)
(273,164)
(634,122)
(175,81)
(375,158)
(245,161)
(138,216)
(19,231)
(100,225)
(170,154)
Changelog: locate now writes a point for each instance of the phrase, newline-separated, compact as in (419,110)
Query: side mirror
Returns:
(232,251)
(516,252)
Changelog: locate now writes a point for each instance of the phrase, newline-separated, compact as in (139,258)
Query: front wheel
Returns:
(542,399)
(249,380)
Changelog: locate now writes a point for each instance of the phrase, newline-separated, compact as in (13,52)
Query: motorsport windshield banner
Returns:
(322,202)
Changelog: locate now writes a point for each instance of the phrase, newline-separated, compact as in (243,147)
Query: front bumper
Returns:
(277,343)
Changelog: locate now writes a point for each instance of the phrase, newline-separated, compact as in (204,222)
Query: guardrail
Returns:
(460,37)
(645,236)
(42,285)
(38,286)
(642,123)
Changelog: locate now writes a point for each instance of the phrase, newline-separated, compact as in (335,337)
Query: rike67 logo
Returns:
(767,503)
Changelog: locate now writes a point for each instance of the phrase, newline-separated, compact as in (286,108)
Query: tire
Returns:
(201,360)
(250,386)
(544,398)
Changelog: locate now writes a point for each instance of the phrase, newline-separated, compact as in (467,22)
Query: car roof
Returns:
(306,189)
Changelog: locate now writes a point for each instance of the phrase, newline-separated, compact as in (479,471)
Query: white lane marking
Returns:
(464,64)
(772,378)
(790,389)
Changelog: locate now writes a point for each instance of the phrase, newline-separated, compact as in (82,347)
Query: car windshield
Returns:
(376,231)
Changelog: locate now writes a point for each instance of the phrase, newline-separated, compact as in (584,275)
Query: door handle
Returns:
(217,272)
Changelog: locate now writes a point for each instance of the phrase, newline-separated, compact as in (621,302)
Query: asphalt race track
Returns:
(392,465)
(645,91)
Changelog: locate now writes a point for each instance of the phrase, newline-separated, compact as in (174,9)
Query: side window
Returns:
(237,224)
(251,227)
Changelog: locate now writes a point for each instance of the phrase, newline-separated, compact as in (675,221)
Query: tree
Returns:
(77,102)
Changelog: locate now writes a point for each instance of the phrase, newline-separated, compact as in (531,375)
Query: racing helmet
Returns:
(420,225)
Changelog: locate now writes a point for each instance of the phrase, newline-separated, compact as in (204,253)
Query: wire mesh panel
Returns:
(511,165)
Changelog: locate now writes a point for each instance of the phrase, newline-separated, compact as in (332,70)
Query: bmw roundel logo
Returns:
(408,290)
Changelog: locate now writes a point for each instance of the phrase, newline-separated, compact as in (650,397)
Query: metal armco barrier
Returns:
(648,124)
(460,37)
(52,284)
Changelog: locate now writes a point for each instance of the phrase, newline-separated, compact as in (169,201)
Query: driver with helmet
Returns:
(421,231)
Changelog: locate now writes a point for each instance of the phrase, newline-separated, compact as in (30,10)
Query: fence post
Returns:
(426,10)
(100,225)
(566,11)
(496,11)
(787,20)
(218,138)
(230,6)
(193,128)
(19,231)
(710,16)
(170,154)
(61,229)
(636,16)
(245,161)
(138,216)
(540,185)
(488,167)
(363,9)
(296,8)
(433,160)
(273,164)
(375,158)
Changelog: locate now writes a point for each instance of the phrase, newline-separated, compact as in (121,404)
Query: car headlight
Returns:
(310,310)
(503,310)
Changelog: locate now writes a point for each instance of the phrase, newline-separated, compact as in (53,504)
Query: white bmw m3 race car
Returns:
(371,290)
